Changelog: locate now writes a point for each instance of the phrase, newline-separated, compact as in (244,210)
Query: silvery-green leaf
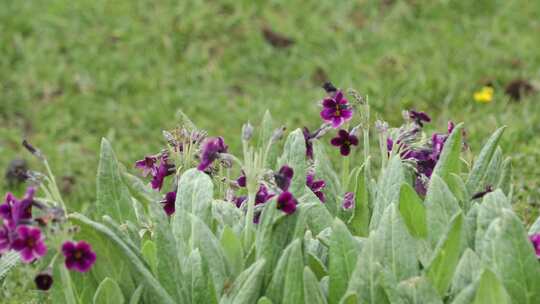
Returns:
(481,164)
(396,247)
(342,258)
(441,206)
(492,207)
(113,197)
(232,247)
(226,214)
(324,170)
(108,290)
(387,190)
(137,295)
(134,261)
(535,228)
(389,284)
(287,280)
(459,189)
(442,268)
(418,290)
(316,266)
(149,252)
(141,190)
(366,277)
(264,300)
(449,161)
(505,181)
(493,171)
(466,296)
(359,223)
(490,290)
(294,156)
(197,276)
(168,268)
(317,215)
(8,260)
(312,290)
(467,271)
(507,251)
(350,298)
(247,286)
(191,231)
(470,226)
(412,211)
(194,194)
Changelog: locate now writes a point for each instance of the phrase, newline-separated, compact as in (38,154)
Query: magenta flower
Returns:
(336,110)
(286,202)
(5,239)
(163,170)
(263,195)
(316,186)
(419,117)
(79,256)
(239,200)
(348,201)
(147,165)
(29,243)
(344,141)
(535,240)
(14,210)
(283,177)
(211,149)
(168,203)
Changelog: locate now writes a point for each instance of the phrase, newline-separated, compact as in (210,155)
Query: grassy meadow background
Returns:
(72,72)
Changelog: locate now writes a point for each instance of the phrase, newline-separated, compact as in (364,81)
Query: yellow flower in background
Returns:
(485,95)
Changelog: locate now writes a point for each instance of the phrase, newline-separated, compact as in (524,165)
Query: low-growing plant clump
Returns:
(413,222)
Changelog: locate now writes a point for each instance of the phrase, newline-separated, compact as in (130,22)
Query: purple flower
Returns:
(344,141)
(44,280)
(13,210)
(348,201)
(336,110)
(263,195)
(29,243)
(5,239)
(211,149)
(168,202)
(241,181)
(419,117)
(79,256)
(163,170)
(389,144)
(316,186)
(283,177)
(286,202)
(147,165)
(535,240)
(239,200)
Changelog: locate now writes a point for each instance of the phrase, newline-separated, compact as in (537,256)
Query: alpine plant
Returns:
(327,219)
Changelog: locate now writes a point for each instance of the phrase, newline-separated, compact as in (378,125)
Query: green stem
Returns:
(345,164)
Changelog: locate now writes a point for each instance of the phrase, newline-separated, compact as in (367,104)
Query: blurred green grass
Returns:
(74,71)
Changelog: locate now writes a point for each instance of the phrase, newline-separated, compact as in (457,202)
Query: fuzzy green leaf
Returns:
(490,290)
(312,290)
(481,164)
(325,171)
(342,254)
(359,223)
(413,211)
(107,291)
(286,284)
(418,290)
(387,190)
(294,156)
(232,247)
(194,194)
(441,206)
(113,196)
(247,286)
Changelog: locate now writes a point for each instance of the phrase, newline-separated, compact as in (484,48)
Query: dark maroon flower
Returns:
(44,280)
(535,240)
(336,110)
(148,165)
(163,170)
(79,256)
(344,141)
(286,202)
(348,201)
(419,117)
(239,200)
(168,202)
(316,186)
(241,181)
(263,195)
(283,177)
(211,149)
(5,239)
(257,217)
(29,243)
(389,144)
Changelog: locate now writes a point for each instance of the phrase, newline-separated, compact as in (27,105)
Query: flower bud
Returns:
(247,131)
(44,280)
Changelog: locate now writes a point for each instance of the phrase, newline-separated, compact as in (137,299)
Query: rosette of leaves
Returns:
(392,247)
